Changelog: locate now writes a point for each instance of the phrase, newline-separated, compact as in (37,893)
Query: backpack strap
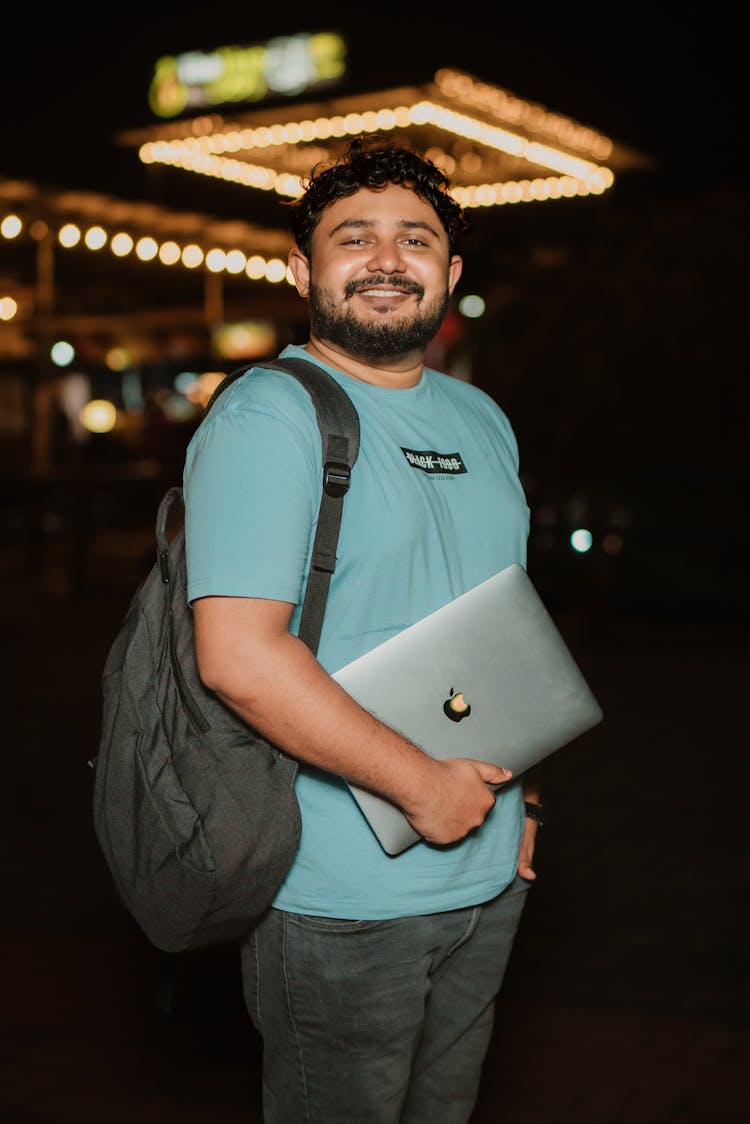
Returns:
(338,422)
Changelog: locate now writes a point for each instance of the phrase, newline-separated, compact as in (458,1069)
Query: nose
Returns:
(386,258)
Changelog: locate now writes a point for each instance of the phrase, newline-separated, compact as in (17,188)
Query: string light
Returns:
(167,252)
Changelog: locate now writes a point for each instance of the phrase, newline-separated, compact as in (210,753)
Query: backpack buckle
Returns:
(336,479)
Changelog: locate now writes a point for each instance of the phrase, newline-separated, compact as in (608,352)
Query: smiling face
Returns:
(379,276)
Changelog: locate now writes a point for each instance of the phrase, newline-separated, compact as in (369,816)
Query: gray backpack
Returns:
(194,811)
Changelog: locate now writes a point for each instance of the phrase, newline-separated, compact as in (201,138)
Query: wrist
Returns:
(533,810)
(413,776)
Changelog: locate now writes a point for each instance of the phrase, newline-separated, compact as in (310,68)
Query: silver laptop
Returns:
(487,676)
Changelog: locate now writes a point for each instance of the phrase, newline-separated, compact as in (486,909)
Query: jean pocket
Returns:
(312,923)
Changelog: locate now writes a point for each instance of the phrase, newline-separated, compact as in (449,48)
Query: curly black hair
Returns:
(371,162)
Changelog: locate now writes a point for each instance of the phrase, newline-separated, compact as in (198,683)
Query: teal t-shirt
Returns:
(435,507)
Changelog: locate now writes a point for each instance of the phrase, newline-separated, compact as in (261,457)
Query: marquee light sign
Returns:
(285,65)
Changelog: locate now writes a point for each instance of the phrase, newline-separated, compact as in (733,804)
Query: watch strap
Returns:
(533,811)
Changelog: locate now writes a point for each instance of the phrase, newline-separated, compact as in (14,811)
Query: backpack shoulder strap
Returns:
(338,422)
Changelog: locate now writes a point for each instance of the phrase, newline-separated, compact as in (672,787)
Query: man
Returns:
(372,979)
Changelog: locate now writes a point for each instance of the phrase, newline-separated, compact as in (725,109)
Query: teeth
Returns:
(381,292)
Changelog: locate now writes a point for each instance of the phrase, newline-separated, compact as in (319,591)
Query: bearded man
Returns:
(372,979)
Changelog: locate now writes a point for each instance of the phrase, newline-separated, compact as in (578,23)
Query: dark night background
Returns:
(615,340)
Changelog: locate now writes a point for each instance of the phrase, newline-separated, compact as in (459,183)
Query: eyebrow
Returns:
(402,224)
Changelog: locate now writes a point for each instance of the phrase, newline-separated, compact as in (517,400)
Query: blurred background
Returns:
(143,244)
(144,166)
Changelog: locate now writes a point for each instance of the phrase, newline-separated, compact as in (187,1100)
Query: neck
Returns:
(398,374)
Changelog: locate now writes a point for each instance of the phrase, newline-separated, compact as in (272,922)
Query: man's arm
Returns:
(530,828)
(269,677)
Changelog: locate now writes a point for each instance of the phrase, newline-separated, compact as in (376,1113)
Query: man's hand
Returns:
(456,800)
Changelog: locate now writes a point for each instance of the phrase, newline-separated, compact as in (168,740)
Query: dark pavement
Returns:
(627,1000)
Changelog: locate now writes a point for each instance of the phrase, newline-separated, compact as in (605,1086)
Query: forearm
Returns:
(531,795)
(292,701)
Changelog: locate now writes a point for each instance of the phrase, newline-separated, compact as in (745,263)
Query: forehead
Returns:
(388,208)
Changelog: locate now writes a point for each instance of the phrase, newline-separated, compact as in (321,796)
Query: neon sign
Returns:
(285,65)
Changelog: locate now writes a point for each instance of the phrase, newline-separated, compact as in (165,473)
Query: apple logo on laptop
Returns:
(456,707)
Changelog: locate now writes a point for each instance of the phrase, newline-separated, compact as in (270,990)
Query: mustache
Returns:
(402,283)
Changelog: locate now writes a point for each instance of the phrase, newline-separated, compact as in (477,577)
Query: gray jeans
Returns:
(377,1022)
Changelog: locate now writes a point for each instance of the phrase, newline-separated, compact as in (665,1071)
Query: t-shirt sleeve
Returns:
(252,484)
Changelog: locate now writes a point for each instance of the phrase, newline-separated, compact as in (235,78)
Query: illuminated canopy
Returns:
(496,147)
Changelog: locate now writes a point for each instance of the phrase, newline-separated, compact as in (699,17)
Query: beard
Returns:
(372,341)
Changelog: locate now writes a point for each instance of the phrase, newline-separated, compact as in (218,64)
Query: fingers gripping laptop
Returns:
(486,676)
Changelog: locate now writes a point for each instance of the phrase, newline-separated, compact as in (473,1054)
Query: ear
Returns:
(299,267)
(455,269)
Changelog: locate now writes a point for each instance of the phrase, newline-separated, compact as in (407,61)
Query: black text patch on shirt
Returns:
(427,460)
